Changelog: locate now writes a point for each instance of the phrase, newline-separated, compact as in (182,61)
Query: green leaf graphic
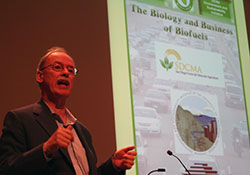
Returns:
(166,60)
(185,2)
(166,64)
(170,65)
(163,64)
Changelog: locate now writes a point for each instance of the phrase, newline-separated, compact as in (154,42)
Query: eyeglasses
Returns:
(58,67)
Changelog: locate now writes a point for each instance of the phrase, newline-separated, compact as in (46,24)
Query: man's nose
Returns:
(65,72)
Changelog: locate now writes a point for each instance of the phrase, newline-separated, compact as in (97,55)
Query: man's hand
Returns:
(61,138)
(124,158)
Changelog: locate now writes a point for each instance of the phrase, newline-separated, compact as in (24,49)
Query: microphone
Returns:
(70,124)
(170,153)
(158,170)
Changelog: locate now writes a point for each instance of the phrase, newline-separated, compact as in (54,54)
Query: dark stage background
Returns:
(29,27)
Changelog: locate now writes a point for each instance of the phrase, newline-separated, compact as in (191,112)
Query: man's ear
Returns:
(39,76)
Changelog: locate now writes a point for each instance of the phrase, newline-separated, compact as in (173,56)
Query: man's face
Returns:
(54,83)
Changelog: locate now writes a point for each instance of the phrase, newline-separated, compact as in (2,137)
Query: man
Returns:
(45,138)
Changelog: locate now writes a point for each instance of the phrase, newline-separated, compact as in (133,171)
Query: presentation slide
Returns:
(186,86)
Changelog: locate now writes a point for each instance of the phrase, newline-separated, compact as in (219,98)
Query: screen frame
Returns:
(121,81)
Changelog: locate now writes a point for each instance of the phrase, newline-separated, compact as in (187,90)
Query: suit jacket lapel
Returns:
(89,153)
(45,117)
(47,121)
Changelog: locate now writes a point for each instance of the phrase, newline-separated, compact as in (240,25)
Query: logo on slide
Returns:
(184,5)
(179,65)
(169,64)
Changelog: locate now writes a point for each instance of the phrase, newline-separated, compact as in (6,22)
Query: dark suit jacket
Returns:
(24,132)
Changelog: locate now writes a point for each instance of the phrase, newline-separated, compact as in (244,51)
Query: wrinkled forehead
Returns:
(60,57)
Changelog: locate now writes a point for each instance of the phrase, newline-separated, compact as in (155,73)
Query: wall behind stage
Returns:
(29,28)
(247,15)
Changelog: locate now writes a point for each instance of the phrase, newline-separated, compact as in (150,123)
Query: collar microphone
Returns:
(170,153)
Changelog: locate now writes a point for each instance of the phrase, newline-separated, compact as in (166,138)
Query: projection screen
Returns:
(179,70)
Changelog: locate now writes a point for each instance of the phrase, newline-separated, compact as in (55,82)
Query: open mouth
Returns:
(63,82)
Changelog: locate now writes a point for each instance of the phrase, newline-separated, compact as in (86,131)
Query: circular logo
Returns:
(185,5)
(196,122)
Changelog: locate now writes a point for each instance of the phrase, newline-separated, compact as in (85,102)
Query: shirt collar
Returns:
(70,117)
